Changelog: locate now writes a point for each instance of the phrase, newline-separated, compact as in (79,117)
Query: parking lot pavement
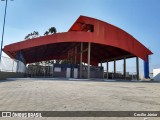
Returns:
(70,95)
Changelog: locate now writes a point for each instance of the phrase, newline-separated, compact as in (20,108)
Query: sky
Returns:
(140,18)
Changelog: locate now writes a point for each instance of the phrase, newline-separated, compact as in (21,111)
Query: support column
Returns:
(69,60)
(72,58)
(146,68)
(114,68)
(137,67)
(101,64)
(124,68)
(107,69)
(19,58)
(103,69)
(81,55)
(75,57)
(89,53)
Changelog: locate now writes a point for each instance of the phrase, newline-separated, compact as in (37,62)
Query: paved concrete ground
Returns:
(57,95)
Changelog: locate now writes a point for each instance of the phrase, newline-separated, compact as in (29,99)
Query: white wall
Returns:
(156,74)
(10,65)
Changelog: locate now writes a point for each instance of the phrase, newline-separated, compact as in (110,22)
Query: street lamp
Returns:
(3,28)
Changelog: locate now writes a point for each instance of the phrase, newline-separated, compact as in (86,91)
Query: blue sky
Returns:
(140,18)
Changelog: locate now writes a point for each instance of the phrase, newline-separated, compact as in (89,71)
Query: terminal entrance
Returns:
(64,71)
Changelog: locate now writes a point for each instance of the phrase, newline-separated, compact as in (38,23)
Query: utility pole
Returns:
(4,21)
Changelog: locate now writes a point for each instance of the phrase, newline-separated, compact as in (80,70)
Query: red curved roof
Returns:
(108,43)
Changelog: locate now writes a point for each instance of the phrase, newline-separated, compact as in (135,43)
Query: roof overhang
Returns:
(107,43)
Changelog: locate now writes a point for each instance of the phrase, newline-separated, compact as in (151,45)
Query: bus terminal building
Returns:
(89,41)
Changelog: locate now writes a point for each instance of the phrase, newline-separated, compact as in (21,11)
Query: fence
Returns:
(119,75)
(63,70)
(11,65)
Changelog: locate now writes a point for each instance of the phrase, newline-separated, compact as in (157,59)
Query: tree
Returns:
(31,35)
(35,33)
(65,62)
(46,33)
(52,30)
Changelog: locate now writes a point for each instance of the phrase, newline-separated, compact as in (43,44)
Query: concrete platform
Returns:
(71,95)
